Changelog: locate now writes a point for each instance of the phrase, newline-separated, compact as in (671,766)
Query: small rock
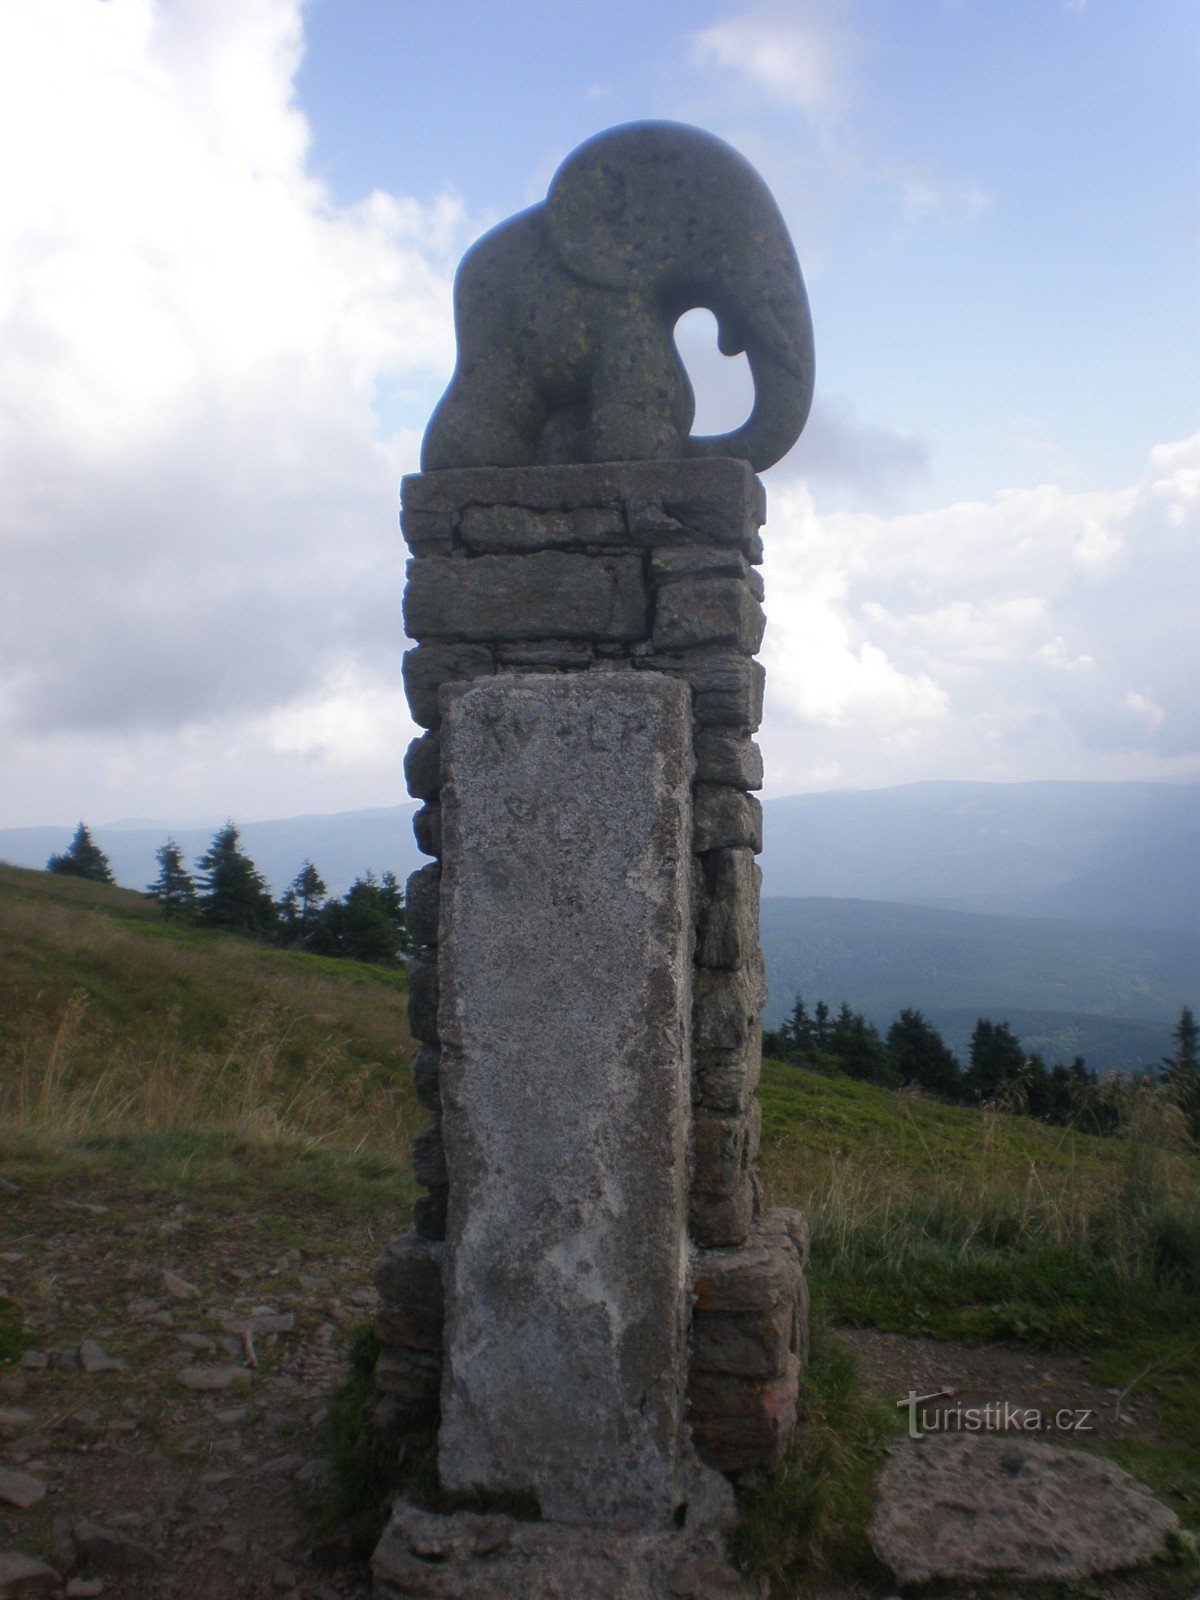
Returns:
(112,1550)
(20,1488)
(13,1419)
(22,1574)
(164,1319)
(230,1417)
(283,1578)
(207,1503)
(93,1357)
(196,1341)
(9,1186)
(205,1378)
(178,1288)
(35,1360)
(84,1588)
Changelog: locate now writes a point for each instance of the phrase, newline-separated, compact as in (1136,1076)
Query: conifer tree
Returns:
(83,858)
(233,893)
(921,1056)
(173,888)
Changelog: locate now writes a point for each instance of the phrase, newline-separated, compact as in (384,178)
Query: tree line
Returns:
(913,1054)
(228,892)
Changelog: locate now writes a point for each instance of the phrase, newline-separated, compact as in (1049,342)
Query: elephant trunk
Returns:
(782,397)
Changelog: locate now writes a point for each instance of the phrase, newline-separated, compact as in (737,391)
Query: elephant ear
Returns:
(667,209)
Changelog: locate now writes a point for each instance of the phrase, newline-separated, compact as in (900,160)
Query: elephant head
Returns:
(566,313)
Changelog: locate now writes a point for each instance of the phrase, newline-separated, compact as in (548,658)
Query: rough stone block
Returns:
(708,611)
(726,819)
(743,1424)
(412,1378)
(421,904)
(727,935)
(724,1080)
(498,529)
(718,1153)
(429,1155)
(756,1346)
(727,688)
(719,1221)
(408,1276)
(566,963)
(717,499)
(427,667)
(561,654)
(429,1214)
(546,595)
(422,766)
(724,756)
(427,828)
(673,562)
(423,997)
(727,1005)
(757,1278)
(426,1075)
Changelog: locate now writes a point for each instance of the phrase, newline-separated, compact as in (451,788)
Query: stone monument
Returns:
(594,1304)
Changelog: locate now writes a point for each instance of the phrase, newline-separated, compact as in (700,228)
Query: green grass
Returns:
(113,1020)
(959,1224)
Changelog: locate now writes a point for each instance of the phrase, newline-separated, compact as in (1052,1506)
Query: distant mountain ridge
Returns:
(1067,909)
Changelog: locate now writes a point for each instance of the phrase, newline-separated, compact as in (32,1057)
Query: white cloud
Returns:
(937,643)
(801,57)
(197,515)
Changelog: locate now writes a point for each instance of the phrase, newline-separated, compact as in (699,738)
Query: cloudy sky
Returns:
(228,230)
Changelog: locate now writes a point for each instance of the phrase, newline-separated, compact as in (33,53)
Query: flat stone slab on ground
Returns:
(22,1574)
(20,1489)
(965,1506)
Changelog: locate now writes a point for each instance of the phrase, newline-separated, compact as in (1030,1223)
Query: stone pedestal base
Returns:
(469,1556)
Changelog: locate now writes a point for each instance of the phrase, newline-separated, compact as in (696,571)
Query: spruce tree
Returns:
(83,858)
(233,893)
(921,1056)
(996,1059)
(173,888)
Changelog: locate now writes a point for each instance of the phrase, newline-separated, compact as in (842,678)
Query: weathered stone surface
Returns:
(718,1153)
(727,819)
(426,1075)
(427,828)
(565,966)
(708,611)
(408,1275)
(411,1381)
(724,1080)
(93,1357)
(212,1378)
(974,1507)
(728,927)
(429,1155)
(673,562)
(423,765)
(429,1214)
(499,528)
(423,997)
(715,1221)
(682,501)
(19,1488)
(546,595)
(727,688)
(755,1346)
(759,1277)
(427,667)
(111,1550)
(725,756)
(557,654)
(727,1005)
(421,904)
(22,1574)
(475,1556)
(743,1423)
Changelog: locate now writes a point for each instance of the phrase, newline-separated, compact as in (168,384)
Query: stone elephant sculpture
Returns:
(565,313)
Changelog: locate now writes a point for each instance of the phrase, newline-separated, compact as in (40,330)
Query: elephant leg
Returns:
(641,402)
(486,418)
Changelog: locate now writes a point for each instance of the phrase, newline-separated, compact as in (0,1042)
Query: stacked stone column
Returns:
(621,567)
